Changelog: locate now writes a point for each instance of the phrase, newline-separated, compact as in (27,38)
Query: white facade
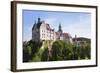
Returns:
(46,33)
(42,31)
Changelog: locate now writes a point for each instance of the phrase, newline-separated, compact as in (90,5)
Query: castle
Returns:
(41,31)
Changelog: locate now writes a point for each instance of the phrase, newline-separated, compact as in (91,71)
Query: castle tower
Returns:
(60,29)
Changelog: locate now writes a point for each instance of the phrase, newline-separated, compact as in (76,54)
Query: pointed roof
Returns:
(34,25)
(60,28)
(38,24)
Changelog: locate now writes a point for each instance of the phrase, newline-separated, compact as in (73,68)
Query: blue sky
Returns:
(72,22)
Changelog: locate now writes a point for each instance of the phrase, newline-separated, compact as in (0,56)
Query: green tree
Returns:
(45,54)
(75,53)
(30,49)
(61,50)
(88,51)
(67,50)
(26,53)
(57,48)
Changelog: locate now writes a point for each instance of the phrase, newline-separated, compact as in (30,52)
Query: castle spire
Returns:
(60,28)
(39,20)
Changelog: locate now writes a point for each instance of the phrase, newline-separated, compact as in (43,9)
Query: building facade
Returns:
(81,41)
(42,31)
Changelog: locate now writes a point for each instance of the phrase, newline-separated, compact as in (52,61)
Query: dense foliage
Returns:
(30,49)
(60,50)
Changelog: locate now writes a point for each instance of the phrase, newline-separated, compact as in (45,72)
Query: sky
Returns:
(74,23)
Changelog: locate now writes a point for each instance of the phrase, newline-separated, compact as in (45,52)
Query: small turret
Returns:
(60,28)
(39,20)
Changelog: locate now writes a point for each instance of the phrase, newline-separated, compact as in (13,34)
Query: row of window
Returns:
(48,35)
(43,36)
(48,31)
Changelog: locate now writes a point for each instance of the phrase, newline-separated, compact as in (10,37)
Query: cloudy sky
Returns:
(72,22)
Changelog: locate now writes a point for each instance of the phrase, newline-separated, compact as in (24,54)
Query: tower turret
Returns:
(60,29)
(39,20)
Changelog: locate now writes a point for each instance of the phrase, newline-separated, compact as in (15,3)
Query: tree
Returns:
(26,53)
(57,51)
(44,55)
(75,53)
(30,49)
(88,51)
(61,50)
(67,50)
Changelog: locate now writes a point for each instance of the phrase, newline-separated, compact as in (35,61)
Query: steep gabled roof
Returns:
(66,35)
(33,26)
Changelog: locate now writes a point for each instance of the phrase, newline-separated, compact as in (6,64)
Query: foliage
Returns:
(30,49)
(37,56)
(60,50)
(44,55)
